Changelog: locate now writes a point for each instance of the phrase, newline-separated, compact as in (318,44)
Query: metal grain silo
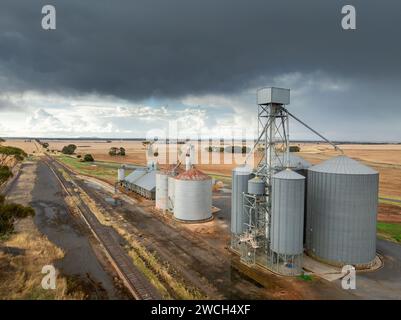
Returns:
(256,186)
(240,177)
(161,190)
(170,193)
(287,214)
(121,174)
(193,196)
(296,163)
(342,212)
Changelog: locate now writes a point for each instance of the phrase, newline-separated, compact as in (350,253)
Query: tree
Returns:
(45,145)
(88,158)
(2,140)
(113,151)
(70,149)
(295,149)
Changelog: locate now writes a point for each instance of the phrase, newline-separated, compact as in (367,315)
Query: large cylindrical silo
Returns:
(193,196)
(240,178)
(342,212)
(161,190)
(287,214)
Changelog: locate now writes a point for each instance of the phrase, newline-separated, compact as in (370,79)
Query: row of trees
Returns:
(70,149)
(229,149)
(117,151)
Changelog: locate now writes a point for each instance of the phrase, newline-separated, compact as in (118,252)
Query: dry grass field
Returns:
(29,146)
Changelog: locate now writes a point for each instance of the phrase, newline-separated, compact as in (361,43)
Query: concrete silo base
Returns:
(373,265)
(193,221)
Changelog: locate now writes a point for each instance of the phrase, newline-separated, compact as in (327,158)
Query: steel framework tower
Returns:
(273,144)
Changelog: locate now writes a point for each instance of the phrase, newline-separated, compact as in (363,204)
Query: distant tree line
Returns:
(229,149)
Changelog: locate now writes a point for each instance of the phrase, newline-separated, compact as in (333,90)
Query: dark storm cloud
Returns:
(138,49)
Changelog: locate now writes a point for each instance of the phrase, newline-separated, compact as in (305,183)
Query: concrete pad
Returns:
(322,270)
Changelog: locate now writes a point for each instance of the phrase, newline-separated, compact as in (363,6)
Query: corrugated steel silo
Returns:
(161,190)
(287,214)
(121,174)
(256,186)
(193,196)
(296,163)
(170,193)
(342,212)
(240,177)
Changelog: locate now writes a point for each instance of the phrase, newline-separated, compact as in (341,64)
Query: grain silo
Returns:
(193,196)
(240,177)
(121,174)
(342,212)
(287,222)
(295,163)
(170,193)
(256,186)
(161,190)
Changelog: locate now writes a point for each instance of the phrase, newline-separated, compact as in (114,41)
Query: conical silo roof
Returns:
(296,162)
(288,174)
(193,174)
(243,170)
(342,165)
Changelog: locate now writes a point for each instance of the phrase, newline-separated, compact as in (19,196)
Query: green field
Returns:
(391,231)
(102,170)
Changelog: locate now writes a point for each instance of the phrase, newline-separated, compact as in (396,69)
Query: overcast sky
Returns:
(134,68)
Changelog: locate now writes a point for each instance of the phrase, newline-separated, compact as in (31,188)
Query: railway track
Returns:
(133,279)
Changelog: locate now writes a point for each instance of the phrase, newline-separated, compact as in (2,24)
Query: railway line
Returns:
(133,279)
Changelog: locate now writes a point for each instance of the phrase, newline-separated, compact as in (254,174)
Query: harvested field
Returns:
(29,146)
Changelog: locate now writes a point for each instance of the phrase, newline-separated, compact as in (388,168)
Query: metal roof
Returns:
(147,181)
(243,170)
(135,175)
(342,165)
(193,174)
(296,162)
(288,174)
